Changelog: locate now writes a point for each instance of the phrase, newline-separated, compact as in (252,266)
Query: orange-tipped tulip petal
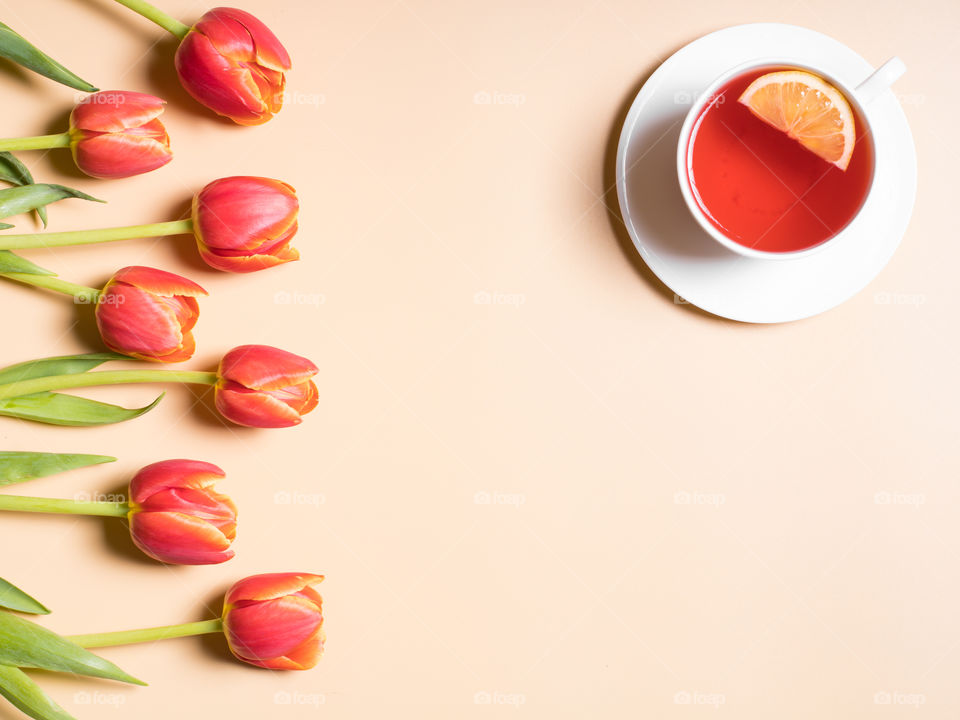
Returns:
(262,386)
(176,516)
(275,620)
(243,224)
(272,585)
(149,314)
(116,134)
(232,63)
(173,474)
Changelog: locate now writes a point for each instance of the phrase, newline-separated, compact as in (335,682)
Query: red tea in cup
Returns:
(763,189)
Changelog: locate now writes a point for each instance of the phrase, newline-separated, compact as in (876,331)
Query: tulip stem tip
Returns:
(37,142)
(164,632)
(21,503)
(104,377)
(81,292)
(158,16)
(90,237)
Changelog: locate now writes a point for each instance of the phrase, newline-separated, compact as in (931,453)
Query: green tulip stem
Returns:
(155,14)
(48,282)
(164,632)
(89,237)
(37,142)
(104,377)
(20,503)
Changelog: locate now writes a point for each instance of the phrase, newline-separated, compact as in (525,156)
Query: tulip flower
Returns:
(118,134)
(233,64)
(141,312)
(229,61)
(244,224)
(148,314)
(275,621)
(256,386)
(241,224)
(261,386)
(175,515)
(272,621)
(113,134)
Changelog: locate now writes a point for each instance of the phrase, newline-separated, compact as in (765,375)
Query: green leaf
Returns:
(25,644)
(60,409)
(15,47)
(16,173)
(13,171)
(13,598)
(16,200)
(59,365)
(11,263)
(25,695)
(16,467)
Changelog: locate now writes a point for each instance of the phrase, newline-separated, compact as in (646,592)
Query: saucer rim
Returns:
(902,212)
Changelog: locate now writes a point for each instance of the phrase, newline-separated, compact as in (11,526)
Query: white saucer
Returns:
(693,264)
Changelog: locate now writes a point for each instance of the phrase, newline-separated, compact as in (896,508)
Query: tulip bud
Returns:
(233,64)
(116,134)
(243,224)
(176,517)
(275,620)
(261,386)
(149,314)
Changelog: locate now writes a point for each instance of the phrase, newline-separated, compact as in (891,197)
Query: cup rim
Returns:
(683,143)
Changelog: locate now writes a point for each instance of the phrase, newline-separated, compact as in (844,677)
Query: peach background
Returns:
(682,508)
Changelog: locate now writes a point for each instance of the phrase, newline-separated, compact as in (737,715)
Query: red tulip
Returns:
(116,134)
(275,620)
(176,517)
(245,223)
(233,64)
(149,314)
(261,386)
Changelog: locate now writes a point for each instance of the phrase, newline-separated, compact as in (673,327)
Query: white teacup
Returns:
(860,98)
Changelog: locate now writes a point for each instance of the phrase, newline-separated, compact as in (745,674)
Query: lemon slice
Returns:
(808,109)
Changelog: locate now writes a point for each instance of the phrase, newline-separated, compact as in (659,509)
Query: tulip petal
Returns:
(238,34)
(270,85)
(303,657)
(253,408)
(204,504)
(167,474)
(186,350)
(215,81)
(185,309)
(247,263)
(311,399)
(308,654)
(158,282)
(268,586)
(112,156)
(113,111)
(245,213)
(261,367)
(272,628)
(228,34)
(177,538)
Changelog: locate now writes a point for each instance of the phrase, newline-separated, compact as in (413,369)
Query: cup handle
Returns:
(880,79)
